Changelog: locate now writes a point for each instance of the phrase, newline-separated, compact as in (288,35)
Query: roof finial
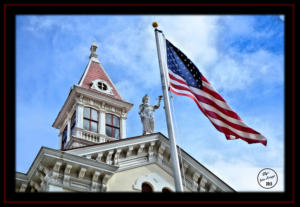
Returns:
(155,24)
(93,50)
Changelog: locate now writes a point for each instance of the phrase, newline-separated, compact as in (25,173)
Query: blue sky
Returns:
(242,57)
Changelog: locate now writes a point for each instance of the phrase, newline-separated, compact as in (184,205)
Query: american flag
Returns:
(185,79)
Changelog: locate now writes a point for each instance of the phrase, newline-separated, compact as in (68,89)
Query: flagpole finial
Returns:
(155,24)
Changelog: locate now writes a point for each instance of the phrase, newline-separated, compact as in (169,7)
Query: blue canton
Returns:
(179,64)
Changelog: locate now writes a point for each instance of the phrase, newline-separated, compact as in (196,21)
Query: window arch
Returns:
(147,188)
(112,126)
(90,119)
(166,190)
(102,86)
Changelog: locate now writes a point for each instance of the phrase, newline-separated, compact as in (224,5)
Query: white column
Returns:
(79,116)
(102,123)
(123,127)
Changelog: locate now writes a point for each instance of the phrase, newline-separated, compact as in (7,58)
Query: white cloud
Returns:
(242,176)
(235,71)
(238,25)
(194,35)
(282,17)
(127,90)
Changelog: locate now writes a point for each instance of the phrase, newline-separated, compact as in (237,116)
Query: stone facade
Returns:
(121,165)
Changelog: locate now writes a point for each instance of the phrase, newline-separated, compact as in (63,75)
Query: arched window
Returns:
(112,126)
(102,86)
(90,119)
(166,190)
(146,188)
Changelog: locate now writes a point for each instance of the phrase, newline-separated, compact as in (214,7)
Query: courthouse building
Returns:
(96,156)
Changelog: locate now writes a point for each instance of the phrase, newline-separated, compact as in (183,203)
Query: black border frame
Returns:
(11,197)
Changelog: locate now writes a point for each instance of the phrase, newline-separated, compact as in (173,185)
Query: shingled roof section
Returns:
(95,70)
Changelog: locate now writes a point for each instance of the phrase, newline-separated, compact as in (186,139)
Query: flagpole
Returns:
(173,148)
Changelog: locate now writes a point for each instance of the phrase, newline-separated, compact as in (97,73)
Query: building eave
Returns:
(81,151)
(104,98)
(83,158)
(56,124)
(77,91)
(55,155)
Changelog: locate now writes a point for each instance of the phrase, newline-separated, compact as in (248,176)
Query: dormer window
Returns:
(101,85)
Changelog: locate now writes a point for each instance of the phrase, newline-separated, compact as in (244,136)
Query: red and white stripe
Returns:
(215,108)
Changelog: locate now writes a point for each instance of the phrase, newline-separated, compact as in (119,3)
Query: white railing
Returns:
(90,136)
(87,135)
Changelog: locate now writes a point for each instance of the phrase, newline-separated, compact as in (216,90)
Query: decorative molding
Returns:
(56,168)
(141,148)
(157,148)
(105,179)
(195,184)
(203,183)
(108,157)
(151,150)
(129,151)
(84,95)
(161,151)
(35,186)
(212,188)
(95,178)
(117,156)
(66,179)
(23,187)
(81,173)
(99,156)
(155,180)
(185,167)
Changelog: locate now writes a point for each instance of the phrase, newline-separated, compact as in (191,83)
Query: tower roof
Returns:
(95,84)
(96,79)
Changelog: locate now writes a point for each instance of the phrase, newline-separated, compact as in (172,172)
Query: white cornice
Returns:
(104,98)
(62,113)
(21,177)
(159,139)
(50,156)
(78,91)
(85,158)
(114,145)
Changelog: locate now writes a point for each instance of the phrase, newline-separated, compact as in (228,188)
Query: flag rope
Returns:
(178,138)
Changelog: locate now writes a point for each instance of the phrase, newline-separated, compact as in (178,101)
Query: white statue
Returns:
(146,114)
